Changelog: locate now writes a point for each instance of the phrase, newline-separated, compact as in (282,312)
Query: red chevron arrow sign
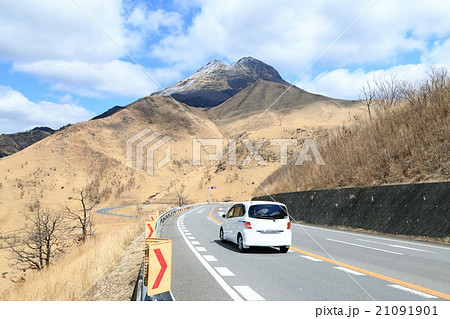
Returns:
(163,264)
(159,266)
(149,230)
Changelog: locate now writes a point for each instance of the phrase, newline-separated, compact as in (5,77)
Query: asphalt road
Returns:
(323,264)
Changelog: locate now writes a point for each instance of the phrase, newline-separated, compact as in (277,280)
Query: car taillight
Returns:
(248,225)
(288,225)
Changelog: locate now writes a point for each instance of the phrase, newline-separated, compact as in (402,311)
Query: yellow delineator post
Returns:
(150,231)
(154,215)
(158,265)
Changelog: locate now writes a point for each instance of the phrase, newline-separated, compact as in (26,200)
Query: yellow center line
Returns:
(212,218)
(373,274)
(363,271)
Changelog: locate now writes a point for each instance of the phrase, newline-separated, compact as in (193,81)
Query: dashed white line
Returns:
(362,246)
(352,272)
(395,246)
(190,237)
(200,248)
(194,242)
(224,271)
(209,258)
(373,237)
(248,293)
(412,291)
(230,291)
(311,258)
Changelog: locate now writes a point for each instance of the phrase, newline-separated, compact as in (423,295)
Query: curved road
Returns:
(323,264)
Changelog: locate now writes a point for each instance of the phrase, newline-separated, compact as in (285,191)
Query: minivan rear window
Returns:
(267,211)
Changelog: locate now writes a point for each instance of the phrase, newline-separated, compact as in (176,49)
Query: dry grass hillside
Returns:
(266,104)
(406,142)
(91,156)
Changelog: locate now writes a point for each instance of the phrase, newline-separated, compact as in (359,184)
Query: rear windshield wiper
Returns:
(267,217)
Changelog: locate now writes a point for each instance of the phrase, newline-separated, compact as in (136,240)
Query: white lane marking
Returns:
(395,246)
(188,234)
(209,258)
(412,291)
(352,272)
(373,248)
(311,258)
(224,271)
(248,293)
(190,237)
(194,242)
(201,211)
(369,236)
(230,291)
(200,248)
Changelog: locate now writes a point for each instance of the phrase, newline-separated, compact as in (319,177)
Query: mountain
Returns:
(12,143)
(109,112)
(216,82)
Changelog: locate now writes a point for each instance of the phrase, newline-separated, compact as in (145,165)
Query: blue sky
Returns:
(58,66)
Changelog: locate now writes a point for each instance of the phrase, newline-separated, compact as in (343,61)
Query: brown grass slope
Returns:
(259,96)
(276,104)
(405,144)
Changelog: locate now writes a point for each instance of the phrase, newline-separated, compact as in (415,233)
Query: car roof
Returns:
(258,202)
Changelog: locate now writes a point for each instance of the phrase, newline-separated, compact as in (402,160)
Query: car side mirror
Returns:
(223,216)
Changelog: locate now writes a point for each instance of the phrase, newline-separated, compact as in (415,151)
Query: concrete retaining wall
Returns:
(410,209)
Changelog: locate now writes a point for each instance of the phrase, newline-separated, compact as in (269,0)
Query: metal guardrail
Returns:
(140,291)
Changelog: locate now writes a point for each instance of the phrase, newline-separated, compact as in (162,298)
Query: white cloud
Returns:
(58,43)
(152,21)
(46,29)
(347,84)
(17,113)
(290,35)
(440,53)
(117,78)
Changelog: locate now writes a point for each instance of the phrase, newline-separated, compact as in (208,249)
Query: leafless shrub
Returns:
(39,241)
(83,217)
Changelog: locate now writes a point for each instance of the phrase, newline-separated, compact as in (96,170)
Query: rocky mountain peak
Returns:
(217,81)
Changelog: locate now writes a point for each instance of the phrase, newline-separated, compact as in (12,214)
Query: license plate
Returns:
(270,231)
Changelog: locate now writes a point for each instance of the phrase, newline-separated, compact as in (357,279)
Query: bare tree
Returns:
(181,198)
(83,217)
(434,89)
(39,241)
(388,91)
(368,98)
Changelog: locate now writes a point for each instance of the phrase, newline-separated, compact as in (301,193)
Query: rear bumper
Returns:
(254,238)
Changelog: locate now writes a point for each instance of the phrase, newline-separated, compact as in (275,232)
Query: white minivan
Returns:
(257,223)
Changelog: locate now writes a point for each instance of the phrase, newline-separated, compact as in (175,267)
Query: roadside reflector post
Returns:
(158,265)
(150,228)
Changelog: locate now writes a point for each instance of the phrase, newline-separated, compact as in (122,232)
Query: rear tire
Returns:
(284,249)
(240,243)
(222,238)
